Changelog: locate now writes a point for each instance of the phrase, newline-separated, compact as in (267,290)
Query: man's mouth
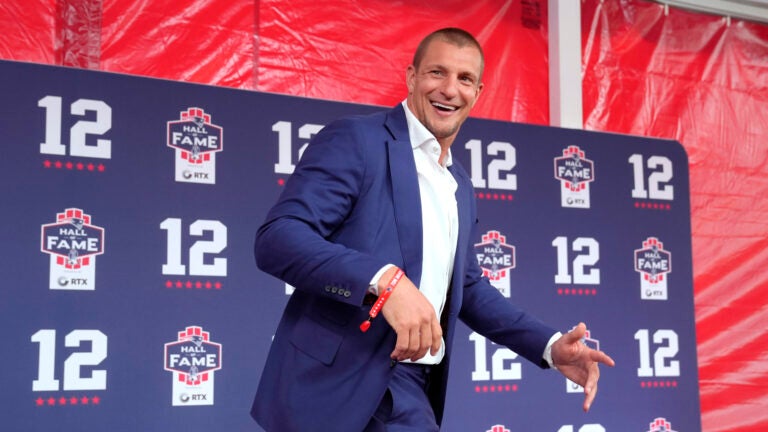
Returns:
(442,107)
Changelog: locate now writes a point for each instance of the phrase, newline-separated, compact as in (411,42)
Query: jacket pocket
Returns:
(316,340)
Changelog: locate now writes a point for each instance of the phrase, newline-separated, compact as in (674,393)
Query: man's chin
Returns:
(442,128)
(444,132)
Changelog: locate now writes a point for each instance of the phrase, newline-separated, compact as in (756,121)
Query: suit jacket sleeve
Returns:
(486,311)
(296,242)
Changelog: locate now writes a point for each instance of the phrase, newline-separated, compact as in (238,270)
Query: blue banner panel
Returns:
(132,301)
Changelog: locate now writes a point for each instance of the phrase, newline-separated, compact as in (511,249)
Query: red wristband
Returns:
(376,308)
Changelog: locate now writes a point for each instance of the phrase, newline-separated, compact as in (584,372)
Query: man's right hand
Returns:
(412,317)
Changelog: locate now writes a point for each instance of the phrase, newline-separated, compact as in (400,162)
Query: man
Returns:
(376,216)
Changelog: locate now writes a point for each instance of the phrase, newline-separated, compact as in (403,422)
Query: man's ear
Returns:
(478,92)
(410,78)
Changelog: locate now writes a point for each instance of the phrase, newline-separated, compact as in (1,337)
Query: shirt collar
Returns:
(419,134)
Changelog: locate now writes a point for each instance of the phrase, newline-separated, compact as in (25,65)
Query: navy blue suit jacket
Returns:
(352,206)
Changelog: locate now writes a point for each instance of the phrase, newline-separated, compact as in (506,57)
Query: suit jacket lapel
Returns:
(405,191)
(464,192)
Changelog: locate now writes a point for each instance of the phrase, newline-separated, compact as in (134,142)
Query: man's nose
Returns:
(450,86)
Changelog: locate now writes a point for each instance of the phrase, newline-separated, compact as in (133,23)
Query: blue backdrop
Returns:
(131,300)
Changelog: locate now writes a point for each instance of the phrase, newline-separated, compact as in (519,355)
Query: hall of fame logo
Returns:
(498,428)
(653,263)
(196,141)
(496,258)
(575,173)
(660,424)
(73,244)
(572,387)
(193,358)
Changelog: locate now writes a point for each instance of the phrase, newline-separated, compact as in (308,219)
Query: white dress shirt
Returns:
(439,218)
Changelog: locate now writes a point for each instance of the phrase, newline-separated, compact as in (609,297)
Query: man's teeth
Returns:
(443,107)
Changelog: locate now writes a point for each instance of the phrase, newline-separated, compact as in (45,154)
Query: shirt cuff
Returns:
(548,350)
(373,286)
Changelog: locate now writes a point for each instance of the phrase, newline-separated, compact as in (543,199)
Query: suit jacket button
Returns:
(347,293)
(327,288)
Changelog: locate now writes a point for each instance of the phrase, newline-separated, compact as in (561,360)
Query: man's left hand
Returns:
(578,362)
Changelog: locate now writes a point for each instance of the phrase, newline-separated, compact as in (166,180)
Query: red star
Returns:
(51,401)
(559,291)
(217,285)
(168,284)
(84,400)
(496,196)
(188,284)
(79,166)
(493,389)
(178,284)
(280,182)
(68,165)
(96,400)
(198,285)
(477,389)
(207,285)
(514,387)
(47,163)
(91,167)
(62,400)
(39,401)
(101,168)
(73,400)
(57,164)
(485,389)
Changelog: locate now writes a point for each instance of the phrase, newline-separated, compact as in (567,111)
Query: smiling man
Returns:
(444,82)
(378,218)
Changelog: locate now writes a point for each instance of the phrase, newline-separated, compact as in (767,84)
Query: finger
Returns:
(414,344)
(590,387)
(424,337)
(589,397)
(437,337)
(576,334)
(401,346)
(601,357)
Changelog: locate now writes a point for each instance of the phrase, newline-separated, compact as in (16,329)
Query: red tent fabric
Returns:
(702,80)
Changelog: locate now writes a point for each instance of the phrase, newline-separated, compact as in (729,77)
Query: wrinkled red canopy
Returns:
(696,78)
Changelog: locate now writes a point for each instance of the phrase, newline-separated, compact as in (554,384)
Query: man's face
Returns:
(444,88)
